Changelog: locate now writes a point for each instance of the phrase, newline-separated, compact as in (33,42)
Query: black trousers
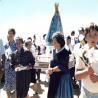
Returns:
(23,79)
(38,71)
(33,75)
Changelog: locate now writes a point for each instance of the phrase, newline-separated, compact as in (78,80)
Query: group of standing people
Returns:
(86,66)
(20,61)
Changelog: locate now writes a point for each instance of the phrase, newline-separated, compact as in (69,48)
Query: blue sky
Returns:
(30,17)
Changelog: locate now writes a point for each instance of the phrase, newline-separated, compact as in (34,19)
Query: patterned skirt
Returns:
(10,80)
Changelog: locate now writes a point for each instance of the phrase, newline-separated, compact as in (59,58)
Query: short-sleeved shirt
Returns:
(86,82)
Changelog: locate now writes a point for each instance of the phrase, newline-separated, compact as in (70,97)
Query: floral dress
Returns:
(10,76)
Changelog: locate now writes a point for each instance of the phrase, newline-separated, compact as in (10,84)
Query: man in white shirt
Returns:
(69,47)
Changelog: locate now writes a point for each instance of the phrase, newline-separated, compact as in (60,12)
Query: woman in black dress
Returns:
(22,62)
(60,82)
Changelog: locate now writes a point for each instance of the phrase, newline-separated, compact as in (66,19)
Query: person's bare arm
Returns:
(80,74)
(94,78)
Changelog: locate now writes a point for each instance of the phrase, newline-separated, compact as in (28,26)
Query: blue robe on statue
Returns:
(55,26)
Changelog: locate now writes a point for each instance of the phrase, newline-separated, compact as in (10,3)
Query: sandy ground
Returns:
(42,93)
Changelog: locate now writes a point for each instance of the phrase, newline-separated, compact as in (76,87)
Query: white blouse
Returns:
(92,55)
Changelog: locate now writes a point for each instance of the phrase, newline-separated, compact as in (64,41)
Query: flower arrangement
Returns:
(85,59)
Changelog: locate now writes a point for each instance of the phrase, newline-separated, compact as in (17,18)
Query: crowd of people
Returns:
(75,60)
